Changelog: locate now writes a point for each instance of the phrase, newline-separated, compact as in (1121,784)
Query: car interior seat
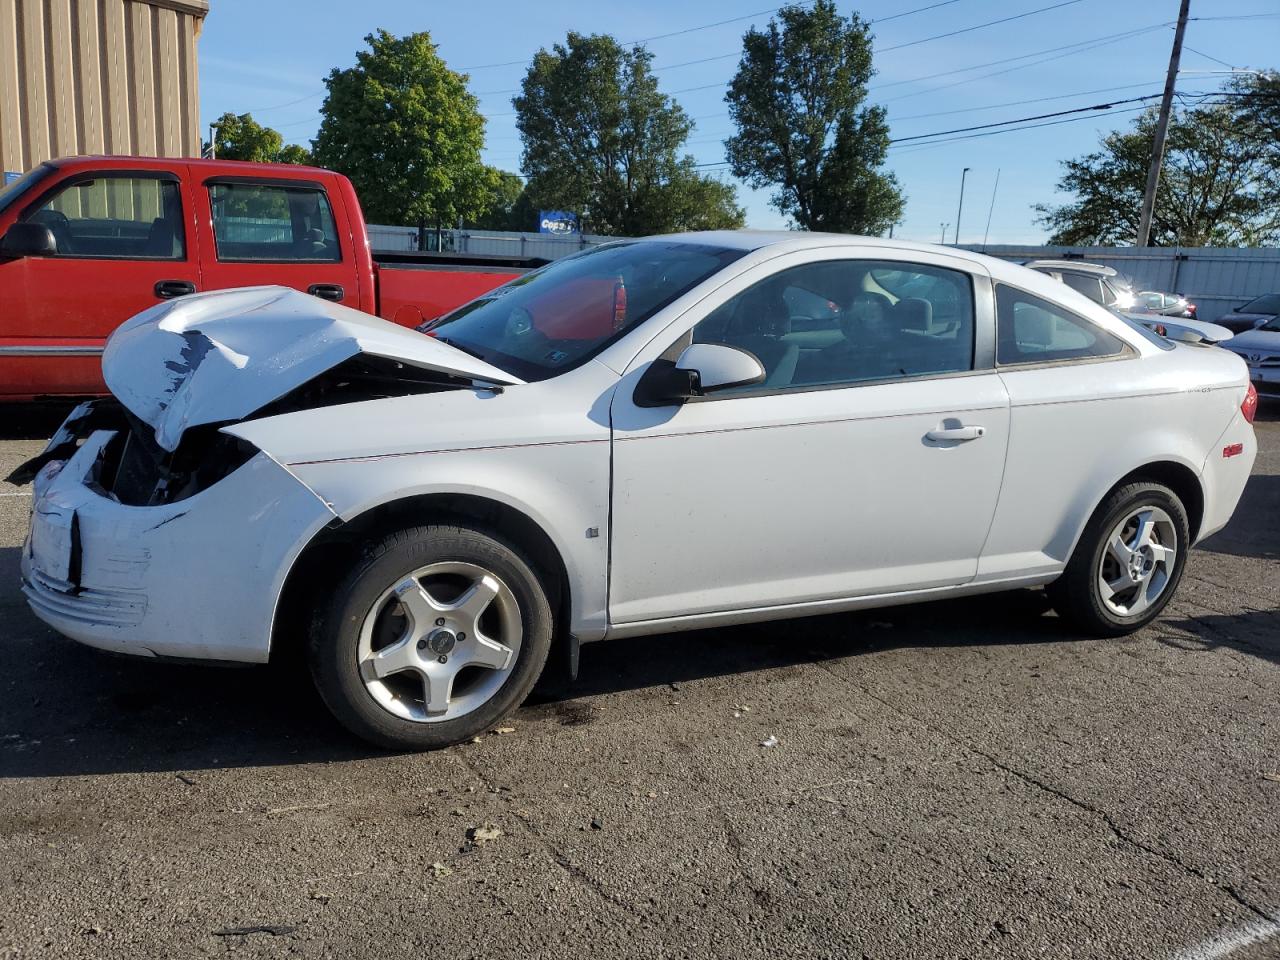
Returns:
(759,322)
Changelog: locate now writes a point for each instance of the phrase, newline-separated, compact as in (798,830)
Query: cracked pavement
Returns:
(960,779)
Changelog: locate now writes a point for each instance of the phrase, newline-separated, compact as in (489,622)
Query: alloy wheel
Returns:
(1137,561)
(440,642)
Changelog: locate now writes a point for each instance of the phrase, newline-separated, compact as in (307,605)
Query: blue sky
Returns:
(270,59)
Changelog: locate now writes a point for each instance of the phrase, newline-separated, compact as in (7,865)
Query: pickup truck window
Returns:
(14,189)
(261,222)
(116,218)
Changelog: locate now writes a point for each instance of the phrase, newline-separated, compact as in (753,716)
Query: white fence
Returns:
(496,242)
(1215,279)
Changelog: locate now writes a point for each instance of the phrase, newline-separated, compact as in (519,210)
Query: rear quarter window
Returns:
(1030,329)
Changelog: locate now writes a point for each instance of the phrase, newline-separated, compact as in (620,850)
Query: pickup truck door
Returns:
(124,244)
(276,230)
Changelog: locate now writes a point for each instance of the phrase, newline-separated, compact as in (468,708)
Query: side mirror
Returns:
(28,240)
(702,368)
(718,366)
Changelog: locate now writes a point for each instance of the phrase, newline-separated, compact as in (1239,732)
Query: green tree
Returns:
(404,128)
(509,205)
(602,140)
(797,100)
(1218,185)
(240,137)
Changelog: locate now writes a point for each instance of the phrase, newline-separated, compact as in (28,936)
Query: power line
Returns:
(721,23)
(1201,53)
(986,131)
(1043,116)
(278,106)
(1072,51)
(980,26)
(911,147)
(1126,34)
(1019,103)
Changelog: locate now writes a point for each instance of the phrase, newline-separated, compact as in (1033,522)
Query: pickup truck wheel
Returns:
(433,638)
(1128,562)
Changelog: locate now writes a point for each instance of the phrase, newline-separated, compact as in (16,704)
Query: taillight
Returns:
(1249,408)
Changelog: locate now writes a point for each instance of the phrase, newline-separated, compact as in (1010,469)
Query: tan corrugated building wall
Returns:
(98,76)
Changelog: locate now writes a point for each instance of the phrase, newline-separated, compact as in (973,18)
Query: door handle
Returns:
(168,289)
(954,434)
(327,291)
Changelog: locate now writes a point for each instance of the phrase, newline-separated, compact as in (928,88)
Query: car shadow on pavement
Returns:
(33,421)
(1256,632)
(1254,530)
(68,710)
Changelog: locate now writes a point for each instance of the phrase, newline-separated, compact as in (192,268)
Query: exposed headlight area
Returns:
(134,470)
(131,467)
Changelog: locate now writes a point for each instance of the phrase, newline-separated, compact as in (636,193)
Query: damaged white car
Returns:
(650,436)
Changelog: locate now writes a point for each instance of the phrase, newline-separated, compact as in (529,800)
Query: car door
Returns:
(277,230)
(867,462)
(122,246)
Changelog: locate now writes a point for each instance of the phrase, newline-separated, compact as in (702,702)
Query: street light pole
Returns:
(963,173)
(1162,130)
(944,233)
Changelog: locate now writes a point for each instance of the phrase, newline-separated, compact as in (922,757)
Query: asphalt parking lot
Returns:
(962,779)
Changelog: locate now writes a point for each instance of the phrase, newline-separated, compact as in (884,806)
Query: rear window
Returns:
(553,319)
(1270,303)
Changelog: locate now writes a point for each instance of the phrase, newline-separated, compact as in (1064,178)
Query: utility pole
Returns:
(963,173)
(1162,129)
(944,233)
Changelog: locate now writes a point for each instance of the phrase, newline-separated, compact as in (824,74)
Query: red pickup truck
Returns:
(87,242)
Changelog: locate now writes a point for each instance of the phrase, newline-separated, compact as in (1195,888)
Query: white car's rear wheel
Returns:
(433,638)
(1128,562)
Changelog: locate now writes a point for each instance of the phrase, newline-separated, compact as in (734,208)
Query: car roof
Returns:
(205,164)
(788,240)
(1077,266)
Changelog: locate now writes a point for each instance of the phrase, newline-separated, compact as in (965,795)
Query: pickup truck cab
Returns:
(87,242)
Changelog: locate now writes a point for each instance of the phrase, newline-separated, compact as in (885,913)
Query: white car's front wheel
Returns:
(1128,562)
(433,638)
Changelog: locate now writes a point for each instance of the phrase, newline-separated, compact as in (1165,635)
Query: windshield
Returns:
(548,321)
(11,191)
(1271,326)
(1268,303)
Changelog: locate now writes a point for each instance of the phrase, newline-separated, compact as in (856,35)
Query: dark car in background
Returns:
(1251,315)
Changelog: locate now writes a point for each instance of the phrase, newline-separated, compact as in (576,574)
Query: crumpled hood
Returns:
(217,357)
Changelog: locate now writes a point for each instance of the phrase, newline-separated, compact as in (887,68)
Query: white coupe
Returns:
(650,436)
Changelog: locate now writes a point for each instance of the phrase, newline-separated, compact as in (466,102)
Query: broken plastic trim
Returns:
(83,420)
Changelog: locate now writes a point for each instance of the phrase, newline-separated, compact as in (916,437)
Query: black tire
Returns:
(1076,595)
(335,642)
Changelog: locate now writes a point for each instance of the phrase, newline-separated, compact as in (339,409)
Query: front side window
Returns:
(548,321)
(1030,329)
(116,218)
(848,321)
(273,223)
(14,190)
